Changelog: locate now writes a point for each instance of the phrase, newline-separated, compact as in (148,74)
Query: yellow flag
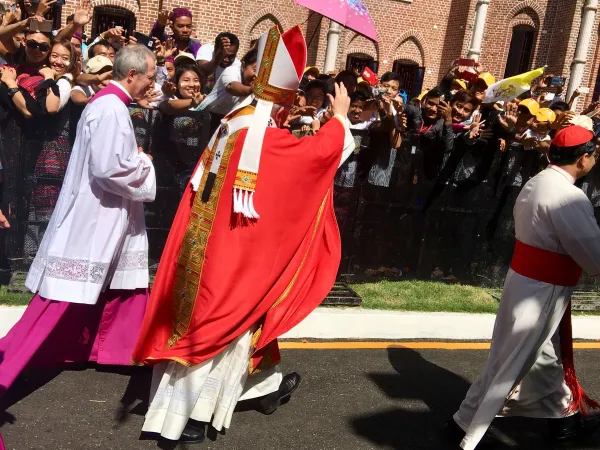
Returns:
(510,88)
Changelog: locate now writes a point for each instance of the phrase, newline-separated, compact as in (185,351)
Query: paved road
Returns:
(349,399)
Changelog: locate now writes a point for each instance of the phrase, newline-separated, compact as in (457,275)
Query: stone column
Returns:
(478,28)
(333,40)
(588,18)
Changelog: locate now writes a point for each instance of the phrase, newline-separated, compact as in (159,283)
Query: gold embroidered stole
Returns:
(193,248)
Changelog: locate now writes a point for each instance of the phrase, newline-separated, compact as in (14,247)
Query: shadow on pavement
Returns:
(419,426)
(441,391)
(28,382)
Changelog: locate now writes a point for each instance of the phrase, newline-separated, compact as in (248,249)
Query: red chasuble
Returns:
(221,274)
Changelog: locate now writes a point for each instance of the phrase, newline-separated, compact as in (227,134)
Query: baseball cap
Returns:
(460,82)
(487,78)
(545,115)
(532,106)
(312,71)
(184,58)
(97,63)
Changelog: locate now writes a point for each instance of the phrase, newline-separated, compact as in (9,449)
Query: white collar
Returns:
(563,172)
(122,88)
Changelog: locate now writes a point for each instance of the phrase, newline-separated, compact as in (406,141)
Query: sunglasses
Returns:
(41,45)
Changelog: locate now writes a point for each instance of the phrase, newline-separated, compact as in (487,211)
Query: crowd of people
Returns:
(210,349)
(46,70)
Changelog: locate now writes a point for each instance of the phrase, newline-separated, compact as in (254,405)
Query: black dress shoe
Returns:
(192,433)
(454,434)
(573,427)
(269,403)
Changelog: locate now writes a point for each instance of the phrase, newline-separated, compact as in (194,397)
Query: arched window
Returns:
(521,50)
(411,76)
(357,62)
(106,17)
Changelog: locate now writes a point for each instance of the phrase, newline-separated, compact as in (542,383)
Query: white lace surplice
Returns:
(97,235)
(207,391)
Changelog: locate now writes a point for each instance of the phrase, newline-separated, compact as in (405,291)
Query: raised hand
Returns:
(163,17)
(197,98)
(83,14)
(114,33)
(476,127)
(44,6)
(341,103)
(220,50)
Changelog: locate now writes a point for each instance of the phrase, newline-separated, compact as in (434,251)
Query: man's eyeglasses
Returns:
(152,79)
(41,45)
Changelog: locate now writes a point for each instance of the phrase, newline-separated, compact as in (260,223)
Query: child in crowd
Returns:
(98,65)
(538,136)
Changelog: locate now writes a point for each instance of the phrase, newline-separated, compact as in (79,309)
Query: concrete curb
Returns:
(354,323)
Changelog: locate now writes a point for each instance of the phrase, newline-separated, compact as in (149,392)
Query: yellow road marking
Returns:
(368,345)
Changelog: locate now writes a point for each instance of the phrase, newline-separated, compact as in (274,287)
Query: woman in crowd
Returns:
(181,128)
(188,81)
(36,83)
(52,161)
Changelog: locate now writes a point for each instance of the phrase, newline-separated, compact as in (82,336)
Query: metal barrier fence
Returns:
(401,213)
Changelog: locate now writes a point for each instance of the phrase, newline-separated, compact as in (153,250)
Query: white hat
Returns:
(583,121)
(97,63)
(281,60)
(184,58)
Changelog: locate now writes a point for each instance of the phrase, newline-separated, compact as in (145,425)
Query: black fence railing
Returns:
(401,212)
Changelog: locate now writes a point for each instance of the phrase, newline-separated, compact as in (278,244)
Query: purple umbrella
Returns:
(352,14)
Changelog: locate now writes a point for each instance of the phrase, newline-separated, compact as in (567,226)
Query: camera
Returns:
(378,92)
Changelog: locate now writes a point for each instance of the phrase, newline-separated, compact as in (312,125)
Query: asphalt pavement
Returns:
(349,399)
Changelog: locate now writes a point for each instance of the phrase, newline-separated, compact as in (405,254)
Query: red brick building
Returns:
(417,38)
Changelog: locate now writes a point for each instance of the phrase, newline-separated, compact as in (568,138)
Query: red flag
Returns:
(369,76)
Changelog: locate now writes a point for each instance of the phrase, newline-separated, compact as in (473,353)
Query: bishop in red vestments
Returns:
(253,249)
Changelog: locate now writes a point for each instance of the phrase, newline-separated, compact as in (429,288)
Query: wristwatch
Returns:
(12,92)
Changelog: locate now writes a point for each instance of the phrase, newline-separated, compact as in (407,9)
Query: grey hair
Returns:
(134,57)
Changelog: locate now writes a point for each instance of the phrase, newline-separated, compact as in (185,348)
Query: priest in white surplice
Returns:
(530,370)
(90,275)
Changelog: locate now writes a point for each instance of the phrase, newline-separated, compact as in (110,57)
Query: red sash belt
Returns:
(545,266)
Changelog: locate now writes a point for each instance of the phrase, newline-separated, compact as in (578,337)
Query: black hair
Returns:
(188,68)
(466,97)
(250,57)
(70,18)
(436,92)
(233,39)
(316,84)
(390,76)
(560,106)
(564,156)
(346,73)
(358,96)
(101,43)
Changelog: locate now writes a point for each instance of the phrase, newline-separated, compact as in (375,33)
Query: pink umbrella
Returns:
(352,14)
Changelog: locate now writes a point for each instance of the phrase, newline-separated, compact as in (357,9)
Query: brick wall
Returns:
(431,33)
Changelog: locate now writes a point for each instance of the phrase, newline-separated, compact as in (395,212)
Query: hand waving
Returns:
(83,14)
(341,103)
